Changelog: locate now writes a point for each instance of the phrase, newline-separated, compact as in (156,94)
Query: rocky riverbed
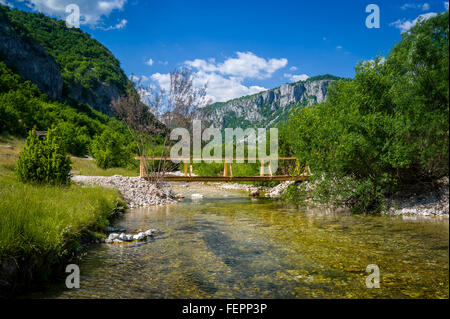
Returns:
(136,191)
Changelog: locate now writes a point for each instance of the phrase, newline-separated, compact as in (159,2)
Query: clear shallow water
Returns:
(231,246)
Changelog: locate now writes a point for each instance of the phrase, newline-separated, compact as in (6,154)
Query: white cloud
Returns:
(296,77)
(225,80)
(424,7)
(339,47)
(446,5)
(91,12)
(293,68)
(118,26)
(150,62)
(246,65)
(141,78)
(405,25)
(6,3)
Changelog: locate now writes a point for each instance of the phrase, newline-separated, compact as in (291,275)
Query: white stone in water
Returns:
(123,236)
(149,232)
(139,237)
(113,236)
(196,196)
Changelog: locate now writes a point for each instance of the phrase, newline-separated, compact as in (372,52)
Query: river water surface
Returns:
(228,245)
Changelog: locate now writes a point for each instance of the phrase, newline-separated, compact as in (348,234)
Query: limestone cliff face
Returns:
(269,107)
(66,64)
(30,61)
(100,97)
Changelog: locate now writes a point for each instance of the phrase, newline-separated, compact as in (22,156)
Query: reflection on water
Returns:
(236,247)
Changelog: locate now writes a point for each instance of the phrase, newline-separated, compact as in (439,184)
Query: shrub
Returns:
(75,140)
(110,149)
(44,160)
(384,130)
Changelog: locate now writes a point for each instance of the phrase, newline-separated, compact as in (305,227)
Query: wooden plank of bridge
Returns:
(280,178)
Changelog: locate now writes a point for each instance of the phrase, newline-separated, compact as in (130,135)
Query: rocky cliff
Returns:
(66,64)
(267,108)
(31,61)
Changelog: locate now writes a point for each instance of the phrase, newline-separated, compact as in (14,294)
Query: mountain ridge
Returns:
(270,107)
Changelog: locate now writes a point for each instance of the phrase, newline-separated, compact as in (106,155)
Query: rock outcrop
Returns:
(269,107)
(30,61)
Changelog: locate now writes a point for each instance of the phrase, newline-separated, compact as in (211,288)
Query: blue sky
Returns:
(240,47)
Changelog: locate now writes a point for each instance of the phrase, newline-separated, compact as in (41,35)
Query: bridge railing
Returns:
(228,165)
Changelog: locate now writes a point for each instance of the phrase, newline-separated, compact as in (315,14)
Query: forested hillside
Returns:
(90,72)
(54,76)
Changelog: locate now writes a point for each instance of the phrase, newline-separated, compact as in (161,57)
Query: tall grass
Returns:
(38,219)
(43,226)
(83,166)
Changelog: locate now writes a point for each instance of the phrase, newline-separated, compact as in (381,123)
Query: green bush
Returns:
(44,160)
(385,129)
(75,140)
(111,149)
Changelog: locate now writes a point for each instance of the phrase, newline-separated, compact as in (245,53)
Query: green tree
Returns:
(385,129)
(44,160)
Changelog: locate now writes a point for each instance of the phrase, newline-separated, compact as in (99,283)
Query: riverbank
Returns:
(136,191)
(420,201)
(44,228)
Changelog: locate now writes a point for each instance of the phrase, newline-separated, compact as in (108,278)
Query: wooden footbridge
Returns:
(227,171)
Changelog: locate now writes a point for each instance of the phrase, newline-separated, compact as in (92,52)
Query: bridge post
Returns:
(261,171)
(185,169)
(270,168)
(225,169)
(141,167)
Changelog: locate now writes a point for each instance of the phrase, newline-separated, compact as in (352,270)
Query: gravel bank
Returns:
(417,202)
(272,192)
(136,191)
(425,203)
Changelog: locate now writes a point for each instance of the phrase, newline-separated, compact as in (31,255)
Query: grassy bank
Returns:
(84,166)
(43,227)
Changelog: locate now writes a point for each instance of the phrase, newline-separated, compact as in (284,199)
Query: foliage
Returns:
(386,128)
(23,106)
(75,140)
(43,226)
(110,149)
(82,60)
(44,160)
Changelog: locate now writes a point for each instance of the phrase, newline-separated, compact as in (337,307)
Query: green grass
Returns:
(41,227)
(37,220)
(84,166)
